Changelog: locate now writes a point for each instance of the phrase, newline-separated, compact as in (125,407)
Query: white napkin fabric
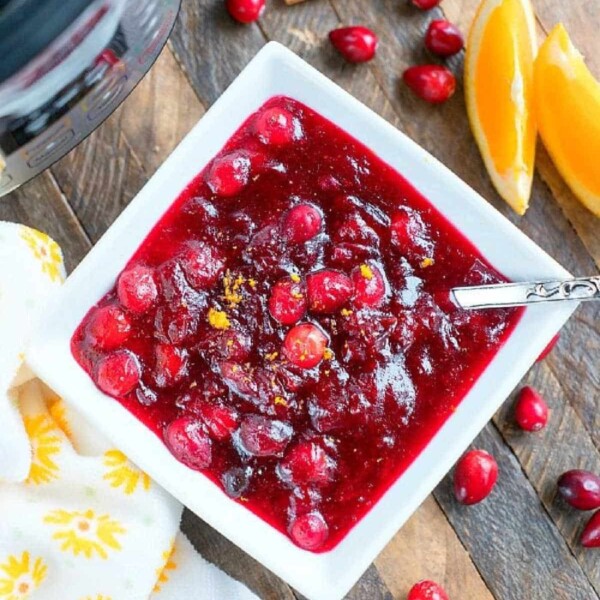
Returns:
(78,521)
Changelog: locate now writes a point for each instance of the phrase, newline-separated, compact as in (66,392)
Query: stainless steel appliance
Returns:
(65,65)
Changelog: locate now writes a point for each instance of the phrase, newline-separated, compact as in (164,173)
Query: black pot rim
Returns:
(27,27)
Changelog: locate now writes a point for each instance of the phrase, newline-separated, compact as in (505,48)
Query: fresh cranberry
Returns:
(531,411)
(355,44)
(172,283)
(308,463)
(171,365)
(432,83)
(188,442)
(409,234)
(302,223)
(233,344)
(369,286)
(177,325)
(109,327)
(136,289)
(261,436)
(581,489)
(427,590)
(288,303)
(346,255)
(475,477)
(328,290)
(202,264)
(443,38)
(309,531)
(546,351)
(354,229)
(220,420)
(426,4)
(118,373)
(277,126)
(229,174)
(590,537)
(245,11)
(304,345)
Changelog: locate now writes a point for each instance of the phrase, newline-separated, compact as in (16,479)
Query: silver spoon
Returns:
(522,294)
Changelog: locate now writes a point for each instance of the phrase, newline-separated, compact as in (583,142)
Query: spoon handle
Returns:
(523,294)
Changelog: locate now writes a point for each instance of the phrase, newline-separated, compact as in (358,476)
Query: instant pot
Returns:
(65,65)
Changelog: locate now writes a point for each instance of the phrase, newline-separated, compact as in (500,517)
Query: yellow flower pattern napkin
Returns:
(78,521)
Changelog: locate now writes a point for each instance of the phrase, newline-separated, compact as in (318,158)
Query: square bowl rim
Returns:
(326,576)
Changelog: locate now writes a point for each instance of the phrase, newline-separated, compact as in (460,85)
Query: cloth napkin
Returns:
(78,521)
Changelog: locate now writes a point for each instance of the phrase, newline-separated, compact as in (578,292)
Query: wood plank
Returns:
(564,444)
(105,172)
(519,551)
(428,548)
(212,47)
(41,205)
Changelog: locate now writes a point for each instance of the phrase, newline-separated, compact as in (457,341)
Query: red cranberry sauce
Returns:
(286,326)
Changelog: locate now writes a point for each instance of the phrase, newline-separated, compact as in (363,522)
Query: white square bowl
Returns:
(277,71)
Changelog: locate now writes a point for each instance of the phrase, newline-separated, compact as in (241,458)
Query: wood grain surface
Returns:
(521,543)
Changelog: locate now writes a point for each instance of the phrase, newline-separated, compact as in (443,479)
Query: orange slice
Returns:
(567,100)
(499,91)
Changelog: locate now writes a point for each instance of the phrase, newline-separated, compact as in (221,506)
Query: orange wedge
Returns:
(499,91)
(567,100)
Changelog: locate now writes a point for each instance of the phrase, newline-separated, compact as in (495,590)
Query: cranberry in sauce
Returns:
(286,328)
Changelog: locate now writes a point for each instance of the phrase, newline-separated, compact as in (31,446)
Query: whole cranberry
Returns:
(288,303)
(202,264)
(426,4)
(328,290)
(546,351)
(427,590)
(356,44)
(220,420)
(432,83)
(307,463)
(475,476)
(171,365)
(228,175)
(531,411)
(136,288)
(118,373)
(369,286)
(581,489)
(590,537)
(302,223)
(188,442)
(109,327)
(277,126)
(304,345)
(443,38)
(261,436)
(245,11)
(309,531)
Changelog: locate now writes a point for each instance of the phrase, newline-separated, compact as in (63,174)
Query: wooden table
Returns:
(521,543)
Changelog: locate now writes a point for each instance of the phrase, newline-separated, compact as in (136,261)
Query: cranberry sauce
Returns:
(286,327)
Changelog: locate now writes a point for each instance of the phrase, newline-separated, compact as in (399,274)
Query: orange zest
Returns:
(499,93)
